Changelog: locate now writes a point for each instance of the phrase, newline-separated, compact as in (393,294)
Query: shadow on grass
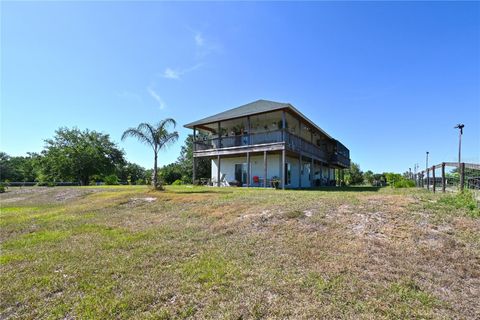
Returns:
(216,190)
(197,191)
(213,190)
(345,189)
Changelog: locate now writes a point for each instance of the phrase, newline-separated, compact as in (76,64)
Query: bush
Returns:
(177,182)
(235,183)
(275,182)
(3,187)
(111,180)
(404,183)
(465,199)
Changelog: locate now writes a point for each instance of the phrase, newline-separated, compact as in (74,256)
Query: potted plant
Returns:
(275,182)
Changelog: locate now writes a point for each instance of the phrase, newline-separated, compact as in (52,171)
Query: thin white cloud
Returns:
(175,74)
(199,40)
(205,45)
(156,97)
(171,74)
(203,48)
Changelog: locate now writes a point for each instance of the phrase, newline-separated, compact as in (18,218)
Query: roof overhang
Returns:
(239,113)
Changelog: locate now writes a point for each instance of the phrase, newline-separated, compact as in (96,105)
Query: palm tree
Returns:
(156,136)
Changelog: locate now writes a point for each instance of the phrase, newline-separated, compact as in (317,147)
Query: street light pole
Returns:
(461,169)
(460,126)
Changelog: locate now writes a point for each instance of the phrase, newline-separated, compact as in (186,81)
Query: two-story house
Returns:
(264,142)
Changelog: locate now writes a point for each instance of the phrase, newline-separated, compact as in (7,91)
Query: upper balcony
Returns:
(264,125)
(292,142)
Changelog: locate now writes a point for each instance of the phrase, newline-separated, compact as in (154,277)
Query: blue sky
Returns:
(389,80)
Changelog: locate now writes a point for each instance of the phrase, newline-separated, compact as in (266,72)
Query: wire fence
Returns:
(450,177)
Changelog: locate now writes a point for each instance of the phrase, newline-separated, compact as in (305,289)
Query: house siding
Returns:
(227,167)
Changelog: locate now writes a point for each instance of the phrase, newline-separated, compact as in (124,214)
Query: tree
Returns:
(78,155)
(185,161)
(353,175)
(170,173)
(157,137)
(379,179)
(131,172)
(7,171)
(369,177)
(19,168)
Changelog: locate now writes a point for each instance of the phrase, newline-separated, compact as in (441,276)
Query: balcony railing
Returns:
(239,140)
(292,142)
(298,144)
(340,159)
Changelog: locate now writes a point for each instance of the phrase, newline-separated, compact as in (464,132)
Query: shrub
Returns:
(275,182)
(404,183)
(111,180)
(3,187)
(235,183)
(465,199)
(177,182)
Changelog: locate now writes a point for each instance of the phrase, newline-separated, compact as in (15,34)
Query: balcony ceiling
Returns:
(256,107)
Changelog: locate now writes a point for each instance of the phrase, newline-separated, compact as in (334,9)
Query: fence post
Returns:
(462,175)
(428,179)
(433,176)
(443,178)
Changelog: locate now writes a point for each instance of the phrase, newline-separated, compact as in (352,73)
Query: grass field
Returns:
(196,252)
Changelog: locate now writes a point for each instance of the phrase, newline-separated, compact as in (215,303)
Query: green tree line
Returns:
(89,157)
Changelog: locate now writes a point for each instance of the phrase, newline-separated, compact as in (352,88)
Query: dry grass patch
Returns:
(231,253)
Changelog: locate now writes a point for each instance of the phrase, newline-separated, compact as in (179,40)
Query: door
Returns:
(288,174)
(241,173)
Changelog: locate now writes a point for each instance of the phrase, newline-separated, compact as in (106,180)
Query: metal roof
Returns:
(256,107)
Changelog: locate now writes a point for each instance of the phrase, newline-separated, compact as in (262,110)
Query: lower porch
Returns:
(267,168)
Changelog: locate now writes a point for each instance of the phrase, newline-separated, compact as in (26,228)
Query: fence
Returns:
(56,183)
(434,178)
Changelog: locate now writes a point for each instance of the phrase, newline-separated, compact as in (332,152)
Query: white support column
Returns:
(283,169)
(248,169)
(264,169)
(300,170)
(218,171)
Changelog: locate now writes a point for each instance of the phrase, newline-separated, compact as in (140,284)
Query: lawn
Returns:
(230,253)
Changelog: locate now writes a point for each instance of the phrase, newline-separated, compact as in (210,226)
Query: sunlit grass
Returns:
(203,252)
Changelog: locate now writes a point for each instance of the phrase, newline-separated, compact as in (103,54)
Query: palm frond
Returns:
(147,129)
(139,135)
(166,122)
(168,139)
